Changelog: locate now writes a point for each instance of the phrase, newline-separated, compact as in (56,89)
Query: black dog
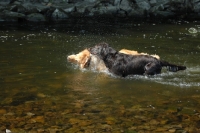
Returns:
(124,64)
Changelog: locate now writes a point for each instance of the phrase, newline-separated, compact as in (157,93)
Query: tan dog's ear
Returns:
(81,58)
(84,62)
(85,58)
(72,58)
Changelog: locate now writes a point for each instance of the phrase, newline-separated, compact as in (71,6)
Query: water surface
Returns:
(42,92)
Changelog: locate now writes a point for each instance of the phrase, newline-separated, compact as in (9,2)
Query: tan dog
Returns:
(86,60)
(81,58)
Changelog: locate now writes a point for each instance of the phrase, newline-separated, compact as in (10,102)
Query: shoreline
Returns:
(19,11)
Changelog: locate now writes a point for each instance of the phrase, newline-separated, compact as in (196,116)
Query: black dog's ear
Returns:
(96,50)
(111,50)
(103,44)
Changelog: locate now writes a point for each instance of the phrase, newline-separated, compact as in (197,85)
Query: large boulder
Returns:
(81,7)
(74,1)
(116,2)
(91,1)
(2,8)
(13,14)
(7,15)
(103,10)
(163,14)
(144,5)
(197,7)
(34,7)
(36,17)
(59,15)
(136,14)
(4,2)
(164,2)
(157,8)
(125,5)
(69,8)
(152,2)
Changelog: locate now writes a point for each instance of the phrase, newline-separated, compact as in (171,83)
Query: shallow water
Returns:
(42,92)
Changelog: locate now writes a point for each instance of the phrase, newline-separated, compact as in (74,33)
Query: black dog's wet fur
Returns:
(124,64)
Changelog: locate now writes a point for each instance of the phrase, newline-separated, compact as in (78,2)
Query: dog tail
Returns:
(172,67)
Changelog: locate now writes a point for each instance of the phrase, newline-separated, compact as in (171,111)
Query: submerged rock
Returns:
(37,119)
(2,111)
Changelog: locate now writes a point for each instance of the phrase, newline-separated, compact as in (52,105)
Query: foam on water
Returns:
(183,79)
(187,78)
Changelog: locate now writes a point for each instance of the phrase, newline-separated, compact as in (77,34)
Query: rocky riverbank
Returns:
(63,10)
(49,114)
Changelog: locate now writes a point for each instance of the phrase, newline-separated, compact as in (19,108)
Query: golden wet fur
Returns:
(82,58)
(132,52)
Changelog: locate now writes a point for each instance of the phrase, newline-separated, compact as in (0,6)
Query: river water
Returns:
(43,93)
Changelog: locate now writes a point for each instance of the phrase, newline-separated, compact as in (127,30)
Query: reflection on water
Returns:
(42,92)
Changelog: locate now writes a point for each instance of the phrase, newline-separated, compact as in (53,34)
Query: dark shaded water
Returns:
(42,92)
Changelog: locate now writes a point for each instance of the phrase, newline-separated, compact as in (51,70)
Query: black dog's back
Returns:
(124,64)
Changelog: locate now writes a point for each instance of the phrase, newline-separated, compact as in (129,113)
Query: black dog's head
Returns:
(101,50)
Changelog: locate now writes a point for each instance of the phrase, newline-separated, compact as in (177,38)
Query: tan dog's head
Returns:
(81,58)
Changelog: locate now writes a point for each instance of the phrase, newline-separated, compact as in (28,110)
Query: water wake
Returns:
(183,79)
